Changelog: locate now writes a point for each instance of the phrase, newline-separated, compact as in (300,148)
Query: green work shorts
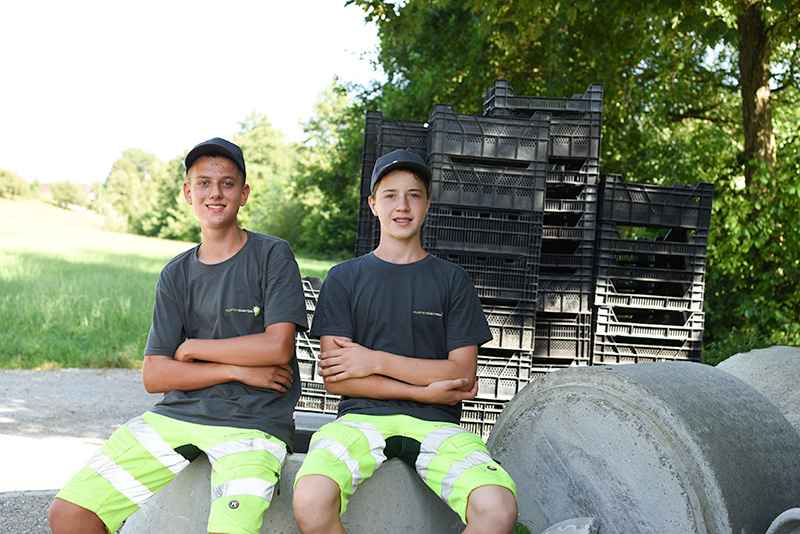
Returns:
(450,460)
(143,456)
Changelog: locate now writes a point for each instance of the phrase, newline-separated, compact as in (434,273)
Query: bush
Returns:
(67,194)
(736,342)
(11,185)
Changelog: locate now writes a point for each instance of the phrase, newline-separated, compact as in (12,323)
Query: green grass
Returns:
(74,295)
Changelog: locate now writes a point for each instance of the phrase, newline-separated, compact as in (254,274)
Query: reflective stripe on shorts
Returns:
(122,481)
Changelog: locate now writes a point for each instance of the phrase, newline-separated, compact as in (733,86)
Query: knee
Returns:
(65,517)
(315,497)
(493,505)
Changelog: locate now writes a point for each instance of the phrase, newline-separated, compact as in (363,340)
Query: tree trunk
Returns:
(754,64)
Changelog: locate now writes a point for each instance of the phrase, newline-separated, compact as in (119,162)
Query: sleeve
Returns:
(166,331)
(283,292)
(333,316)
(466,322)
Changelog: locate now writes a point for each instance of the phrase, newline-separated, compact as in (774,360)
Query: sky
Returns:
(84,80)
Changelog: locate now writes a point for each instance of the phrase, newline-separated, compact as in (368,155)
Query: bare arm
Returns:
(349,369)
(259,360)
(341,359)
(273,346)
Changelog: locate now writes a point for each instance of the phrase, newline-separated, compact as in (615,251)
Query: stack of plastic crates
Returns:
(488,190)
(313,397)
(650,272)
(382,136)
(566,274)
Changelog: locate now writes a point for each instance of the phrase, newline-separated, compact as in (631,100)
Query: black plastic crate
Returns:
(565,293)
(656,297)
(475,136)
(501,101)
(479,417)
(314,398)
(500,378)
(650,324)
(575,138)
(465,182)
(468,229)
(675,241)
(563,337)
(611,350)
(512,327)
(679,206)
(368,230)
(580,199)
(497,277)
(693,271)
(408,135)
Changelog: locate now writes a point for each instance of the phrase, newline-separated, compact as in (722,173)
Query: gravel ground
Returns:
(51,422)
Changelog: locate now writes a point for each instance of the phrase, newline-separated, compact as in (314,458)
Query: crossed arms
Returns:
(356,371)
(259,360)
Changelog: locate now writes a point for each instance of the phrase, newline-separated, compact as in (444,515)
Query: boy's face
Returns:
(400,202)
(214,189)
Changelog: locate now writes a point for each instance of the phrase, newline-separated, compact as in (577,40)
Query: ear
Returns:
(371,202)
(187,193)
(245,195)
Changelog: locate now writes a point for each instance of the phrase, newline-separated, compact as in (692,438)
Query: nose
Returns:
(215,191)
(402,203)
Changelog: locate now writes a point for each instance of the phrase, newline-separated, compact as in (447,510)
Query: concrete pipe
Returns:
(392,501)
(786,523)
(674,447)
(774,373)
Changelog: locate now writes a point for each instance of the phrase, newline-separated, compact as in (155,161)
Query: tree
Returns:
(67,194)
(330,170)
(273,207)
(689,96)
(11,185)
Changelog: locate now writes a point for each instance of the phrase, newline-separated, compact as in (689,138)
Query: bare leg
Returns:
(316,505)
(68,518)
(491,510)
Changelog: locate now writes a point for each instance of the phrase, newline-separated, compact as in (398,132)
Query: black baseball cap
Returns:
(216,147)
(399,159)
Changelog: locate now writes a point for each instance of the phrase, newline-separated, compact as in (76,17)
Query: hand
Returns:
(449,392)
(350,360)
(276,377)
(182,353)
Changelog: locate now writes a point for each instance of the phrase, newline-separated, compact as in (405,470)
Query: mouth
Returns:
(215,207)
(403,221)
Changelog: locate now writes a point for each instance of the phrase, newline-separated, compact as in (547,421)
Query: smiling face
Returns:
(400,202)
(214,189)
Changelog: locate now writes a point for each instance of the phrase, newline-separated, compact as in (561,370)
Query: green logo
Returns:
(255,310)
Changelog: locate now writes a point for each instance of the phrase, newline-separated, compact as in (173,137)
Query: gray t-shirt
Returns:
(421,310)
(259,286)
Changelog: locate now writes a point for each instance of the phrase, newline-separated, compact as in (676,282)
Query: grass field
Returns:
(74,295)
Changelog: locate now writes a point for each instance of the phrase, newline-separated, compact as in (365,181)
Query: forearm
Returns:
(374,387)
(448,392)
(421,372)
(274,346)
(162,373)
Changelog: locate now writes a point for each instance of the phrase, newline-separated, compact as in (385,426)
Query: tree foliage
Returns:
(693,91)
(12,186)
(67,194)
(329,172)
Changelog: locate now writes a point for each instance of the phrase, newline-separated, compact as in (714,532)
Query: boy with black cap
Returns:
(400,331)
(221,349)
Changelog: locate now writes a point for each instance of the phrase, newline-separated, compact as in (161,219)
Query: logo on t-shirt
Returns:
(255,310)
(432,313)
